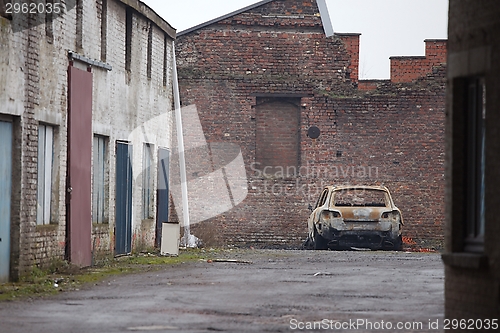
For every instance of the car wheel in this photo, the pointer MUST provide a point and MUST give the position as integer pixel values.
(398, 244)
(319, 242)
(308, 243)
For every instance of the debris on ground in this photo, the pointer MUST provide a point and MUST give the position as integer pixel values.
(234, 261)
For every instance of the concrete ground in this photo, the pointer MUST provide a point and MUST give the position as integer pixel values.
(253, 291)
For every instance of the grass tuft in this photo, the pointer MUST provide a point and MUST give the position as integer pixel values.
(62, 276)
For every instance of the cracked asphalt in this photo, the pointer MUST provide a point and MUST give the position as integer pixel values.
(252, 291)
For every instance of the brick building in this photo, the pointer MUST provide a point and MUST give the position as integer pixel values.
(262, 76)
(84, 101)
(472, 253)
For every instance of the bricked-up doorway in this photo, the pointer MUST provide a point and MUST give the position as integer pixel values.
(79, 171)
(277, 140)
(5, 197)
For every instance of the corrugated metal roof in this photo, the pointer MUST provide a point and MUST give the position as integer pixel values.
(223, 17)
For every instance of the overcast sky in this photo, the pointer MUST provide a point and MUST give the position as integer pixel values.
(387, 27)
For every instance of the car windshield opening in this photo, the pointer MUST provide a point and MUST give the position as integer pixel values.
(360, 197)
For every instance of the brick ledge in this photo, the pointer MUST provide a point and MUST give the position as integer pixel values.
(465, 260)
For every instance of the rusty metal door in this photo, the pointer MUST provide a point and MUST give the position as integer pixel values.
(123, 224)
(162, 192)
(79, 189)
(5, 197)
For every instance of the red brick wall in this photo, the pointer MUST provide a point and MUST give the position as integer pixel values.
(351, 42)
(392, 134)
(407, 69)
(369, 84)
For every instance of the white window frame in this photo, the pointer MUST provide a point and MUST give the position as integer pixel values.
(100, 178)
(45, 168)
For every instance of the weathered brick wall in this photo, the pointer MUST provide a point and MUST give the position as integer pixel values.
(390, 135)
(34, 90)
(132, 105)
(33, 93)
(407, 69)
(351, 42)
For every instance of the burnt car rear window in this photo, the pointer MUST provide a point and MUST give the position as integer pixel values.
(360, 198)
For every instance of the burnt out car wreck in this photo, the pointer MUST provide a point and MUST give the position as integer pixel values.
(347, 217)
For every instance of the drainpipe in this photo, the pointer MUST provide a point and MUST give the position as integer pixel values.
(326, 20)
(187, 239)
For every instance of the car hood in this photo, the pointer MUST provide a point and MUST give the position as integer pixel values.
(362, 213)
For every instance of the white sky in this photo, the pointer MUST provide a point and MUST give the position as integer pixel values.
(387, 27)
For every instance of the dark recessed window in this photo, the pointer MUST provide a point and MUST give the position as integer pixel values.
(165, 60)
(79, 24)
(150, 51)
(128, 39)
(104, 29)
(475, 169)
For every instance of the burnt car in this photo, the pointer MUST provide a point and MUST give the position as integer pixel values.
(347, 217)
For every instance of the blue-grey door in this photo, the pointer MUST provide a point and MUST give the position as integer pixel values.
(123, 231)
(5, 197)
(162, 194)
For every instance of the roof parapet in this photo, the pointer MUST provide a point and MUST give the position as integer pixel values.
(151, 15)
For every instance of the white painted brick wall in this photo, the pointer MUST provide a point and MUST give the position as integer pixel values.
(121, 102)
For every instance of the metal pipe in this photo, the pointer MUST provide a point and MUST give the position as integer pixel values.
(182, 160)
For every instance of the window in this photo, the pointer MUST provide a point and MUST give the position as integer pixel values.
(100, 180)
(45, 161)
(79, 24)
(165, 60)
(104, 29)
(49, 30)
(150, 51)
(322, 198)
(128, 39)
(147, 181)
(475, 157)
(360, 197)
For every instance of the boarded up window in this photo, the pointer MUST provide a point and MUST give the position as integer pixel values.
(147, 181)
(277, 136)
